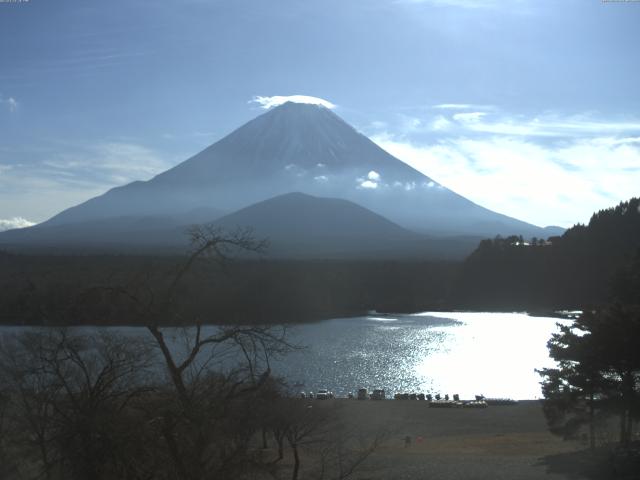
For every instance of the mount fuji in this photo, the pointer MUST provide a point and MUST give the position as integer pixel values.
(294, 147)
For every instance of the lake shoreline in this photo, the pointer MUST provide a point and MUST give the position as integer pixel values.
(560, 314)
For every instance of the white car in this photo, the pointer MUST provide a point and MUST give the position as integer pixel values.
(323, 395)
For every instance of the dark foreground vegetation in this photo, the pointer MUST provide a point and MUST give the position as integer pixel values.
(104, 406)
(596, 383)
(598, 373)
(175, 404)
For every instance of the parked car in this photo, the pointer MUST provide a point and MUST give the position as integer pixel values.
(378, 394)
(324, 394)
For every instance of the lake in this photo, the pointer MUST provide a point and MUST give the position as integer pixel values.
(468, 353)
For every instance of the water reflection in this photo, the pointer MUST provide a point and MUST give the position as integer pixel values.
(467, 353)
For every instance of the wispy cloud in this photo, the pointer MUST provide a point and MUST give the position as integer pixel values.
(109, 163)
(10, 103)
(69, 173)
(467, 4)
(544, 183)
(79, 62)
(468, 117)
(15, 222)
(461, 106)
(456, 3)
(490, 120)
(274, 101)
(551, 126)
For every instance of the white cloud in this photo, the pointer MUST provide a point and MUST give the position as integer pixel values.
(373, 175)
(454, 106)
(468, 117)
(270, 102)
(440, 123)
(321, 178)
(368, 184)
(15, 222)
(560, 183)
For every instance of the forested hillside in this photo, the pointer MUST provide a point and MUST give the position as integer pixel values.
(574, 270)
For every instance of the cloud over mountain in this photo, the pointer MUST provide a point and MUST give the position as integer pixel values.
(270, 102)
(15, 222)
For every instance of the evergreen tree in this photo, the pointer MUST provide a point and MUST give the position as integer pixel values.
(598, 372)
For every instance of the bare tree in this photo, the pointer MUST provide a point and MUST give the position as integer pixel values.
(345, 450)
(214, 372)
(318, 432)
(68, 393)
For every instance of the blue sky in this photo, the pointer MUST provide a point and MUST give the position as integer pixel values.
(531, 108)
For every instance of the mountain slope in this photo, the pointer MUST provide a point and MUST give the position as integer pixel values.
(300, 225)
(296, 225)
(123, 233)
(304, 148)
(295, 215)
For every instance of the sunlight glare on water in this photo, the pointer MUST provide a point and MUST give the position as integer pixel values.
(468, 353)
(495, 354)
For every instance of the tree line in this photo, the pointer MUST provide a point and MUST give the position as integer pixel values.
(54, 290)
(568, 272)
